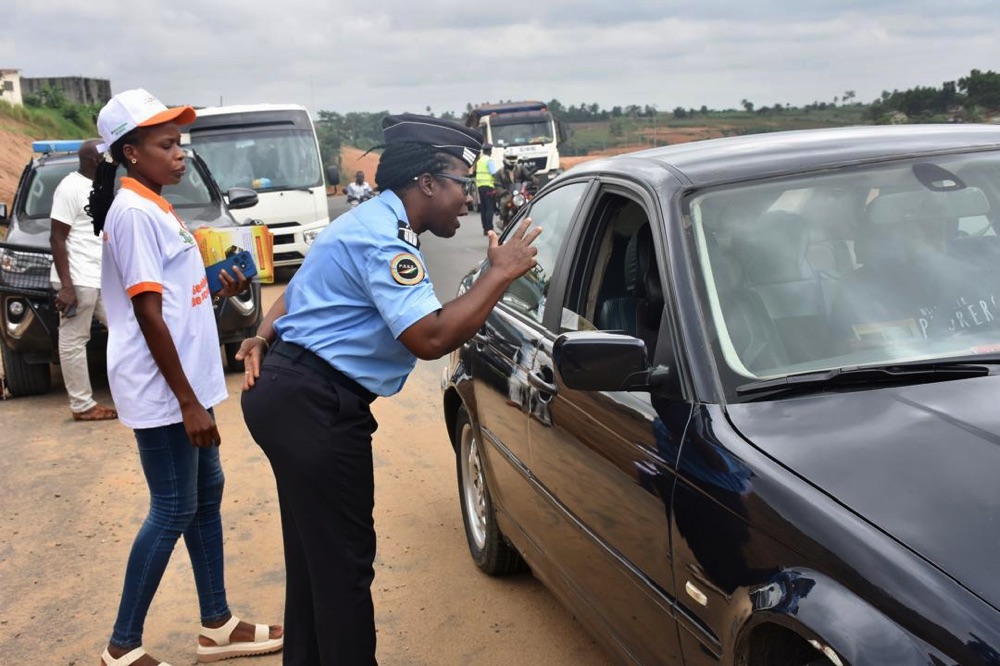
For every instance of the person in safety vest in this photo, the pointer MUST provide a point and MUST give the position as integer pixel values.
(486, 168)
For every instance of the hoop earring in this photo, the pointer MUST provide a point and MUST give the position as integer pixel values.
(133, 160)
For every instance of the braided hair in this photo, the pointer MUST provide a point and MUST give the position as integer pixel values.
(402, 163)
(103, 192)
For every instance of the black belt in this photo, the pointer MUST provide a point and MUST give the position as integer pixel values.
(303, 356)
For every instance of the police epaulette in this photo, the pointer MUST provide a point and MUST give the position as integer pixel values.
(408, 235)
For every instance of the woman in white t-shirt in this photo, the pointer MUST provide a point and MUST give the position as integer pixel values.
(165, 374)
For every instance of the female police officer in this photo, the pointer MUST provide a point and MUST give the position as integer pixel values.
(349, 328)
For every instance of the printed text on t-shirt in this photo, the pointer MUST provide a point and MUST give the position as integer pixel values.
(199, 293)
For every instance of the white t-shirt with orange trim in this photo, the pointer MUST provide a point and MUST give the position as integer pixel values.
(148, 248)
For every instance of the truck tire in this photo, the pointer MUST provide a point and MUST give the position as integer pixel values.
(24, 378)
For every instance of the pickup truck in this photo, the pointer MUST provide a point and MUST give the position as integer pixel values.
(29, 322)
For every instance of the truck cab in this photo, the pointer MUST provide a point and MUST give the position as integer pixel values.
(526, 129)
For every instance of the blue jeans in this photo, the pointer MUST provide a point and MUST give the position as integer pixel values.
(185, 491)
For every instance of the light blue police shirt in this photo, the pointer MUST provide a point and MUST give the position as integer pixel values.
(362, 284)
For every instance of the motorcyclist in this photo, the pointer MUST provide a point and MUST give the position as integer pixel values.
(359, 190)
(512, 172)
(508, 179)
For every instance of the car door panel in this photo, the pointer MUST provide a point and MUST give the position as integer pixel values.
(606, 501)
(505, 348)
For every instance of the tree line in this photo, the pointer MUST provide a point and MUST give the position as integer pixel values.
(971, 98)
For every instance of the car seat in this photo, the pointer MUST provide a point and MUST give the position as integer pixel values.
(751, 332)
(774, 254)
(638, 312)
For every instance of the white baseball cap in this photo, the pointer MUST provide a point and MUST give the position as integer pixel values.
(136, 108)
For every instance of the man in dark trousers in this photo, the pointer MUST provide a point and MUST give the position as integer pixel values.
(486, 169)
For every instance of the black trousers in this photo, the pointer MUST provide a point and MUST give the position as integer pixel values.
(487, 204)
(317, 436)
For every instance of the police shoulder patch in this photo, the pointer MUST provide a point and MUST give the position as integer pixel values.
(406, 269)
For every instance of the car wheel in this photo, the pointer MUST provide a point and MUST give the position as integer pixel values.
(487, 544)
(231, 348)
(25, 378)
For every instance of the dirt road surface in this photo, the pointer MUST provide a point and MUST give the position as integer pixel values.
(73, 497)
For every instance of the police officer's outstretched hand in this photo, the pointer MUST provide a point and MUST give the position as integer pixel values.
(517, 255)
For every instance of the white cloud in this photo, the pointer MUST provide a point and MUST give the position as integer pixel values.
(399, 55)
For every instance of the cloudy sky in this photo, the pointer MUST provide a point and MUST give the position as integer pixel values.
(406, 55)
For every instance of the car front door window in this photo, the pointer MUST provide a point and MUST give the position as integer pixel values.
(553, 212)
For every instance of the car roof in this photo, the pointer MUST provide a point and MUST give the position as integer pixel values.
(56, 158)
(247, 108)
(733, 159)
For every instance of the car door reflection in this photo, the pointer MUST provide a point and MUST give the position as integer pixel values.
(605, 504)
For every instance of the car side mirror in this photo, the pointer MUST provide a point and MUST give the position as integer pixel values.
(241, 197)
(599, 361)
(333, 175)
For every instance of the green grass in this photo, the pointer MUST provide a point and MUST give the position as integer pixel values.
(73, 121)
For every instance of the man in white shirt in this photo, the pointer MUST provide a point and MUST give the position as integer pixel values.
(359, 190)
(76, 276)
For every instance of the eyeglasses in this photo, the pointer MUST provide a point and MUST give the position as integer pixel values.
(461, 180)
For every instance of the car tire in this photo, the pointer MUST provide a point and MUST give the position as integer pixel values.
(487, 544)
(230, 349)
(25, 378)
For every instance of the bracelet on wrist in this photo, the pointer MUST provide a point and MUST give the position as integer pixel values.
(267, 345)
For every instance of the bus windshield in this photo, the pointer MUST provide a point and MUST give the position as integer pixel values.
(274, 159)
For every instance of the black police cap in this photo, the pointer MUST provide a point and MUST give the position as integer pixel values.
(447, 136)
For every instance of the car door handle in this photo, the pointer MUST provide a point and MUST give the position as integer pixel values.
(537, 381)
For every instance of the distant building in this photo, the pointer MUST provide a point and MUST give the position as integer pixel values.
(77, 89)
(10, 86)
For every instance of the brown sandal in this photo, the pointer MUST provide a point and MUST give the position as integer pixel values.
(96, 413)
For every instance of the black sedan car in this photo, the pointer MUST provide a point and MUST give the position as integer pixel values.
(29, 322)
(746, 409)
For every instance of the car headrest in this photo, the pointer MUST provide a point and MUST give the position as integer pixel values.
(902, 207)
(631, 264)
(968, 202)
(774, 248)
(638, 259)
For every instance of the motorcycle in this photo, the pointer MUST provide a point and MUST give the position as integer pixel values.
(355, 201)
(519, 193)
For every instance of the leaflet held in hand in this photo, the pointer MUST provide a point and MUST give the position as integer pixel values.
(218, 244)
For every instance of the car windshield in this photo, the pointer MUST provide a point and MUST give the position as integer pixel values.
(264, 160)
(520, 134)
(883, 264)
(192, 192)
(42, 184)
